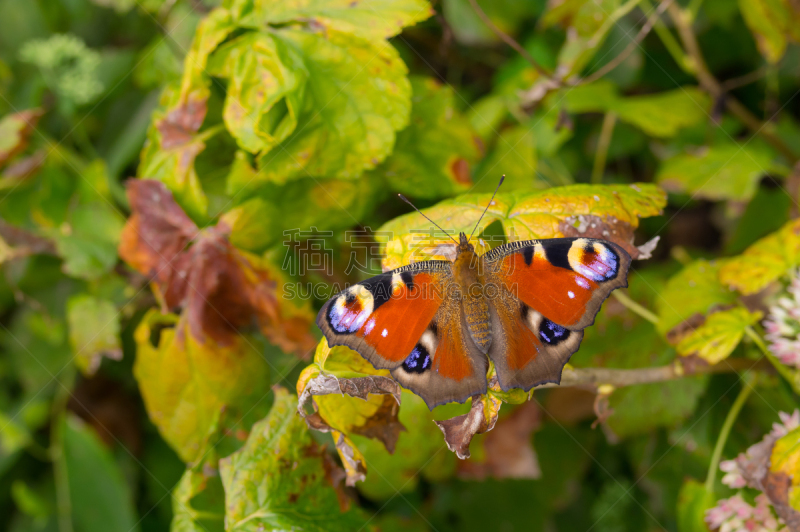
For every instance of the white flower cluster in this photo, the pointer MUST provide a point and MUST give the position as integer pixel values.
(783, 325)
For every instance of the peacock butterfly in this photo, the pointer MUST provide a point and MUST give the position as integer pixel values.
(523, 305)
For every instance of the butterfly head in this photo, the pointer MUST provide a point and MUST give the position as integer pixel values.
(463, 245)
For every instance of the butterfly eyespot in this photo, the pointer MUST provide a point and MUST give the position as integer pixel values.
(593, 260)
(350, 310)
(418, 361)
(552, 333)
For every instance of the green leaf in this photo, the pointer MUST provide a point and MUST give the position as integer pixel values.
(93, 331)
(693, 501)
(211, 31)
(773, 23)
(373, 20)
(696, 289)
(332, 204)
(198, 501)
(514, 156)
(279, 479)
(186, 384)
(720, 172)
(523, 215)
(266, 81)
(770, 258)
(719, 335)
(659, 115)
(470, 29)
(433, 156)
(588, 23)
(88, 242)
(357, 97)
(98, 494)
(420, 451)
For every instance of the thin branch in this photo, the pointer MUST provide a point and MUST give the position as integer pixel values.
(606, 131)
(682, 20)
(508, 39)
(746, 79)
(790, 376)
(614, 63)
(591, 378)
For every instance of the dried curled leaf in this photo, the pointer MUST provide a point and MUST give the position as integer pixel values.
(716, 339)
(220, 288)
(765, 261)
(15, 129)
(507, 450)
(459, 431)
(350, 397)
(524, 215)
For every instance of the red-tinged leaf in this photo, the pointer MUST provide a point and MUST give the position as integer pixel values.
(181, 123)
(221, 289)
(15, 129)
(173, 145)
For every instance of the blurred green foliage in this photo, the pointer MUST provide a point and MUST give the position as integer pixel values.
(131, 402)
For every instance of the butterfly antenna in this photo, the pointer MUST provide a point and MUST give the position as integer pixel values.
(487, 205)
(431, 221)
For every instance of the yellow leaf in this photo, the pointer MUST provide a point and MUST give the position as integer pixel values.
(186, 384)
(765, 261)
(523, 216)
(719, 335)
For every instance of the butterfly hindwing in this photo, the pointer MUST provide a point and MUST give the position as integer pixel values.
(550, 290)
(410, 321)
(445, 366)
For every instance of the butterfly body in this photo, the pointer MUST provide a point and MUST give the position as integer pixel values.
(436, 324)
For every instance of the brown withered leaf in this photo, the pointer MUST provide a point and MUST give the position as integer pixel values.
(355, 467)
(381, 425)
(692, 323)
(507, 449)
(607, 228)
(15, 130)
(220, 289)
(23, 168)
(181, 123)
(459, 431)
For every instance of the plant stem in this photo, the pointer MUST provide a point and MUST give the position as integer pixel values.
(733, 413)
(508, 39)
(632, 305)
(606, 132)
(672, 45)
(591, 378)
(785, 372)
(683, 23)
(60, 473)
